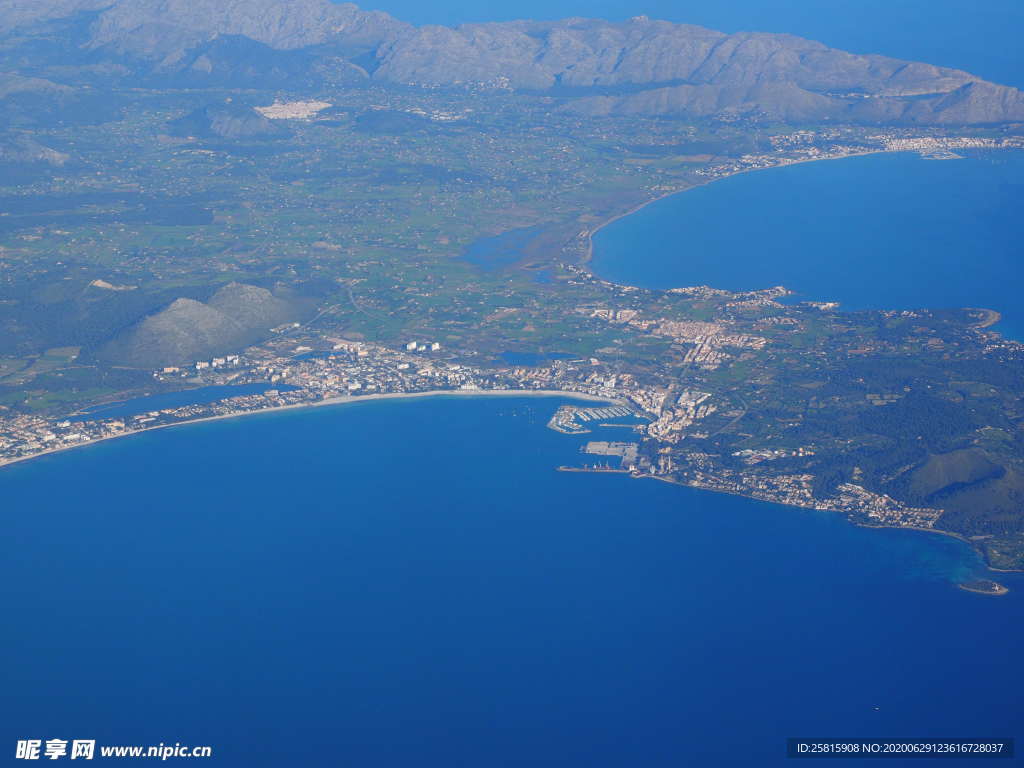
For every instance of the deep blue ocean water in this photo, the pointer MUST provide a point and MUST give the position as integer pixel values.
(878, 231)
(411, 583)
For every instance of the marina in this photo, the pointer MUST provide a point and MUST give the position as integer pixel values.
(614, 412)
(569, 419)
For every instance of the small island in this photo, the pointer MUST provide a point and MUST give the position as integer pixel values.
(984, 587)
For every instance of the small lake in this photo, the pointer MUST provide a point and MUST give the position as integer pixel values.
(499, 251)
(887, 231)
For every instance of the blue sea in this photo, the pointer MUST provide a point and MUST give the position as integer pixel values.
(889, 231)
(412, 583)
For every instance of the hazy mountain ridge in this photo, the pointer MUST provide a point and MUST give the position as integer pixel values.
(586, 52)
(15, 15)
(11, 85)
(672, 69)
(165, 29)
(971, 103)
(783, 76)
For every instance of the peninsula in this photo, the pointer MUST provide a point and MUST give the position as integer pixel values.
(310, 196)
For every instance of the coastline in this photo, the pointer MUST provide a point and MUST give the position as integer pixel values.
(984, 587)
(546, 393)
(952, 534)
(1001, 589)
(991, 317)
(333, 401)
(589, 251)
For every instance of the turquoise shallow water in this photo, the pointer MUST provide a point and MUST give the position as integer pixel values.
(881, 231)
(405, 583)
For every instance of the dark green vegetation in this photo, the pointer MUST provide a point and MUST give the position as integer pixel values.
(152, 217)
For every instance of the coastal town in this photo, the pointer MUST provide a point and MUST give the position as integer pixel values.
(352, 371)
(384, 391)
(402, 289)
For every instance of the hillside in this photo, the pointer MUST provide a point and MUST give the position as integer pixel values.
(636, 67)
(188, 330)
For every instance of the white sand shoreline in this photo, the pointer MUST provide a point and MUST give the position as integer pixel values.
(328, 402)
(589, 251)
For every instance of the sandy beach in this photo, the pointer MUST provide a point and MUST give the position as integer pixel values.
(334, 401)
(589, 254)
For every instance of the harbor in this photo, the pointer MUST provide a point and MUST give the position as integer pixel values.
(570, 419)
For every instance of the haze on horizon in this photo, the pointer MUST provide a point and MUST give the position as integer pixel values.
(436, 265)
(984, 38)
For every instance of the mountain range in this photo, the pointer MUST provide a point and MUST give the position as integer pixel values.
(595, 67)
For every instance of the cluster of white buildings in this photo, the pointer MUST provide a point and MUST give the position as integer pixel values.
(198, 365)
(422, 346)
(882, 509)
(752, 456)
(671, 424)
